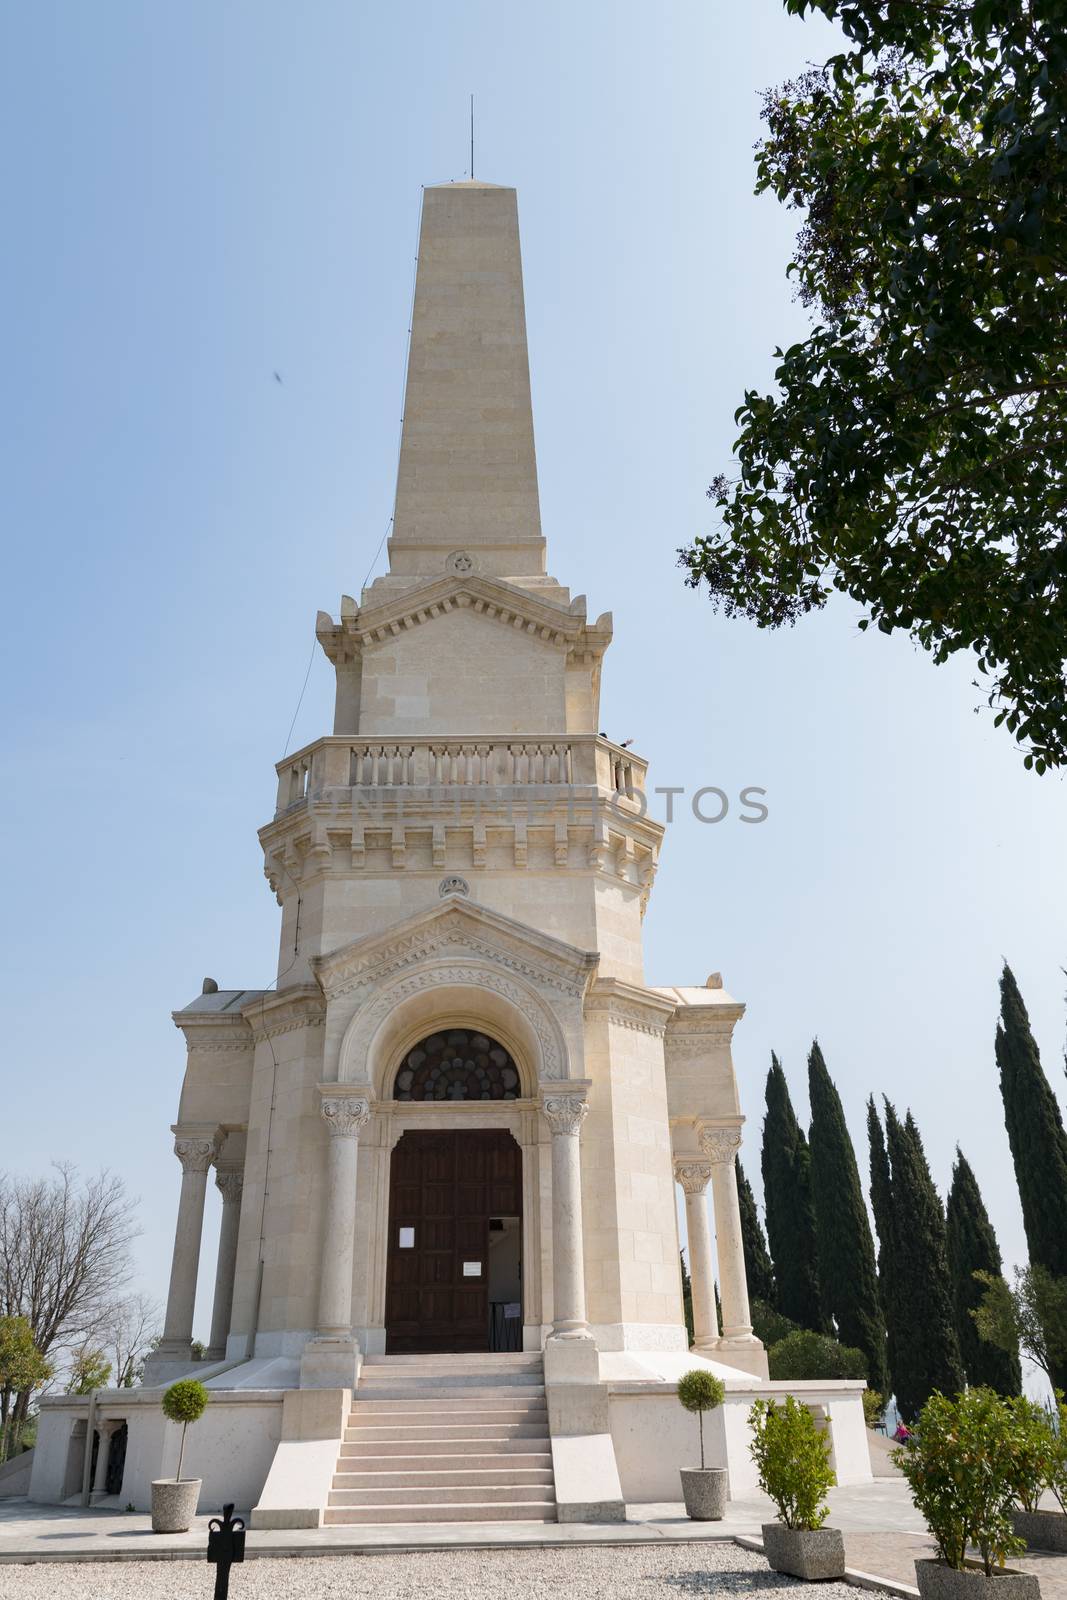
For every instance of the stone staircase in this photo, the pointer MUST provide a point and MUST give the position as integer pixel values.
(446, 1438)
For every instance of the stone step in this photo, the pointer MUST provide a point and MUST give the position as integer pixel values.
(455, 1383)
(351, 1516)
(436, 1494)
(362, 1447)
(448, 1405)
(412, 1430)
(423, 1477)
(474, 1358)
(517, 1461)
(379, 1414)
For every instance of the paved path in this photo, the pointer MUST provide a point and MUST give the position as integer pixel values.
(893, 1555)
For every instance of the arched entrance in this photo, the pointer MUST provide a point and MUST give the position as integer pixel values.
(454, 1258)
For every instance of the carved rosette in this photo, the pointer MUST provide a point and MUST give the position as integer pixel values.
(230, 1185)
(694, 1176)
(344, 1116)
(195, 1155)
(565, 1113)
(720, 1144)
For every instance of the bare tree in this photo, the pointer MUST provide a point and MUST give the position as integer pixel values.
(131, 1329)
(64, 1260)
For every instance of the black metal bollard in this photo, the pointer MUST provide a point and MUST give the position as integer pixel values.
(225, 1544)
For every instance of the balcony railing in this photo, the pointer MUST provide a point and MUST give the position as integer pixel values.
(350, 763)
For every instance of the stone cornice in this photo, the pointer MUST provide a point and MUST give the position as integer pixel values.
(212, 1034)
(630, 1006)
(457, 930)
(488, 597)
(272, 1014)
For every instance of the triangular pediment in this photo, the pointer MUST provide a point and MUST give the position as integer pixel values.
(506, 603)
(454, 929)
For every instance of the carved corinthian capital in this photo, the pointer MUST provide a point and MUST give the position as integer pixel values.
(694, 1176)
(720, 1144)
(230, 1186)
(195, 1155)
(344, 1116)
(565, 1113)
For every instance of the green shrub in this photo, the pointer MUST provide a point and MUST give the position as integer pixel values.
(184, 1402)
(792, 1455)
(804, 1354)
(873, 1407)
(1033, 1451)
(959, 1464)
(770, 1325)
(1057, 1478)
(700, 1391)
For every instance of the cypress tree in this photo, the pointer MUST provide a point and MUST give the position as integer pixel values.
(882, 1206)
(1035, 1133)
(926, 1350)
(972, 1247)
(848, 1276)
(787, 1198)
(758, 1268)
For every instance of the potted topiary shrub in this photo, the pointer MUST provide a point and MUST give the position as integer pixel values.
(792, 1455)
(959, 1463)
(174, 1500)
(1039, 1462)
(703, 1489)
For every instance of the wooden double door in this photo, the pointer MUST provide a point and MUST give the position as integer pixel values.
(445, 1189)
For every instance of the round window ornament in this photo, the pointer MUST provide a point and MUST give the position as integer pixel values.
(459, 561)
(453, 885)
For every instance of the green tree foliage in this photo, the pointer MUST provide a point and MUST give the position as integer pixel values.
(1030, 1316)
(805, 1354)
(792, 1456)
(758, 1267)
(769, 1325)
(958, 1464)
(882, 1206)
(184, 1402)
(1036, 1136)
(23, 1369)
(925, 1349)
(971, 1248)
(787, 1199)
(848, 1276)
(700, 1391)
(687, 1297)
(913, 455)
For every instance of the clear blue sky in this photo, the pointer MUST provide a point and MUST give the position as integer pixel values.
(197, 195)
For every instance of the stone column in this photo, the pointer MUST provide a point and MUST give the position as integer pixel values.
(229, 1184)
(565, 1110)
(721, 1145)
(694, 1177)
(196, 1156)
(105, 1429)
(344, 1117)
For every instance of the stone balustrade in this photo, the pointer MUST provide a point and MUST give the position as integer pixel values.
(428, 763)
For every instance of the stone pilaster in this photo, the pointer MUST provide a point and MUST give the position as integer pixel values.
(196, 1155)
(333, 1358)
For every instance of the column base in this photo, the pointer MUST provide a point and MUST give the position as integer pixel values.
(746, 1353)
(166, 1363)
(331, 1362)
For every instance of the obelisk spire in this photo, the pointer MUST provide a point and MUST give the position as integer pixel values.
(467, 481)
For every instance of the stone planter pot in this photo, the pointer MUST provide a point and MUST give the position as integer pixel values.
(704, 1492)
(804, 1552)
(174, 1503)
(940, 1582)
(1042, 1530)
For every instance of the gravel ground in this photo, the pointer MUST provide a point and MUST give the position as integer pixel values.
(614, 1573)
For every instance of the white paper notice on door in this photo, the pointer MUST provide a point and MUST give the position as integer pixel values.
(512, 1309)
(472, 1269)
